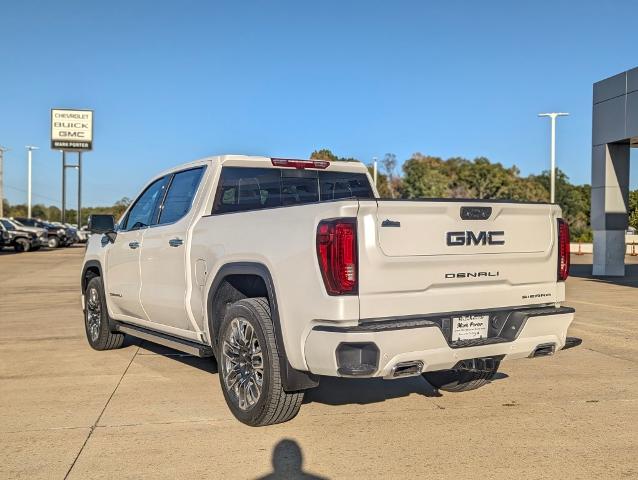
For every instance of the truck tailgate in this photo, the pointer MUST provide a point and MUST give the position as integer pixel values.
(421, 228)
(421, 257)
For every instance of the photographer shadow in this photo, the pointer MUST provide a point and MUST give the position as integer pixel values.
(287, 463)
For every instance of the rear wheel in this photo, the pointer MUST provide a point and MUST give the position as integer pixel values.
(96, 320)
(22, 245)
(466, 375)
(249, 366)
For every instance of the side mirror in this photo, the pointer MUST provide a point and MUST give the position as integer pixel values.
(101, 223)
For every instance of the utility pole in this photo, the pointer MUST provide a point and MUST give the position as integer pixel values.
(30, 149)
(552, 173)
(2, 150)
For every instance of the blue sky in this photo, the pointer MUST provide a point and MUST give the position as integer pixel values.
(174, 81)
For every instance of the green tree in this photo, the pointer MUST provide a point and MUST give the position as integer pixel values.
(324, 154)
(389, 164)
(574, 201)
(633, 209)
(425, 177)
(487, 180)
(382, 180)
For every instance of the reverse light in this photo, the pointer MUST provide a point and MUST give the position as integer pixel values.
(337, 255)
(300, 164)
(563, 250)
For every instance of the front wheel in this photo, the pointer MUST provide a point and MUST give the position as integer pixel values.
(53, 242)
(466, 375)
(22, 245)
(96, 320)
(249, 370)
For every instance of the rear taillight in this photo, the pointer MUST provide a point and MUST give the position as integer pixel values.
(337, 254)
(563, 250)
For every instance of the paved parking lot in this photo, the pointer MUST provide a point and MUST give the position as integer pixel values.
(149, 412)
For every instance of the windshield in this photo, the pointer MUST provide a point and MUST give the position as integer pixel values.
(7, 224)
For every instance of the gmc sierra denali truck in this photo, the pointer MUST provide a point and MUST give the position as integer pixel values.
(287, 270)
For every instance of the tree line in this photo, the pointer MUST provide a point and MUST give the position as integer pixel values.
(53, 213)
(425, 176)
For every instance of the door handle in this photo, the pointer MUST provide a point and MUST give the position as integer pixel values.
(134, 245)
(175, 242)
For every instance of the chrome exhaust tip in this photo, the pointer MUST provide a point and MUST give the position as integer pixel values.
(407, 369)
(544, 350)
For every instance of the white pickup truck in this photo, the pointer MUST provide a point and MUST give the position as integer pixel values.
(286, 270)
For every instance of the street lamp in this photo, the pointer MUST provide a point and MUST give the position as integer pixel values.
(552, 181)
(374, 170)
(30, 149)
(2, 150)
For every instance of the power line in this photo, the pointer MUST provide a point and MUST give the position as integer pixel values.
(35, 194)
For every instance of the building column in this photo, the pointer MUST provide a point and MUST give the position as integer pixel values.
(609, 206)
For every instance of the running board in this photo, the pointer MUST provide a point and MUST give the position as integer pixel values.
(183, 345)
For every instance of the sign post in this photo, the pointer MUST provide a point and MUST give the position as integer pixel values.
(72, 131)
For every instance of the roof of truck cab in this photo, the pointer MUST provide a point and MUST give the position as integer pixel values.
(259, 162)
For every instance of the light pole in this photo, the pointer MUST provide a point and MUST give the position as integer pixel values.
(30, 149)
(2, 150)
(552, 172)
(374, 170)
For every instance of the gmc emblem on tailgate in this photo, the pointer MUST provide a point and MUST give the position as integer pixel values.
(457, 239)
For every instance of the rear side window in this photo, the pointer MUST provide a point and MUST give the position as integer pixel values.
(143, 211)
(299, 189)
(241, 189)
(180, 195)
(336, 185)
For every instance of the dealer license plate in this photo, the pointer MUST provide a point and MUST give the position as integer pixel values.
(470, 327)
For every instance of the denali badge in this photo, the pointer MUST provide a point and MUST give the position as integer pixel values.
(472, 274)
(455, 239)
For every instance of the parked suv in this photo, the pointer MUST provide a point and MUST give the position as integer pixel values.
(20, 240)
(286, 270)
(41, 233)
(57, 234)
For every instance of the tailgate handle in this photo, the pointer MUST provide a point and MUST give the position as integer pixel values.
(476, 213)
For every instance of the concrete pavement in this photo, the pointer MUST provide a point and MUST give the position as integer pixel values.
(144, 411)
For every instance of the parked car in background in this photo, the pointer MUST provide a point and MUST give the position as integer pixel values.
(20, 240)
(71, 232)
(84, 234)
(42, 233)
(58, 236)
(81, 236)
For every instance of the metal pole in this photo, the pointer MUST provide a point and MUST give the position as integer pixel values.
(29, 162)
(2, 150)
(79, 190)
(552, 195)
(29, 184)
(552, 173)
(63, 186)
(374, 159)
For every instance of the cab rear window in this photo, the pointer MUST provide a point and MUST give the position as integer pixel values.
(242, 189)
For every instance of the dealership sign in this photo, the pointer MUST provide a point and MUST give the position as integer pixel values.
(71, 129)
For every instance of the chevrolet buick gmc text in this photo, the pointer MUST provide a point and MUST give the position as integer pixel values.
(287, 270)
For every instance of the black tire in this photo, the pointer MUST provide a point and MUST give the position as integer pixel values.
(461, 378)
(99, 336)
(273, 404)
(53, 242)
(22, 245)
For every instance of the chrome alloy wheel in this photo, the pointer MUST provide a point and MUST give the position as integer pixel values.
(93, 314)
(243, 363)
